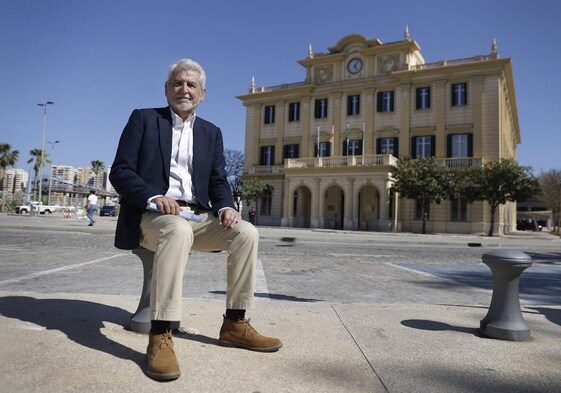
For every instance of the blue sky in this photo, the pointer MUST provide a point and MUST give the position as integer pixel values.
(99, 60)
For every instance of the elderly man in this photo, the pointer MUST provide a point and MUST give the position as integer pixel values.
(172, 161)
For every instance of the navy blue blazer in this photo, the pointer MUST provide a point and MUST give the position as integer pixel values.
(142, 164)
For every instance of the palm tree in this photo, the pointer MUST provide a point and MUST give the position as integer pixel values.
(97, 168)
(7, 158)
(40, 161)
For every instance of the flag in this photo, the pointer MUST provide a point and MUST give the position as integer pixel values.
(332, 134)
(347, 132)
(362, 143)
(317, 142)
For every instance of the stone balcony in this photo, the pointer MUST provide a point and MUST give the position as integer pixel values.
(340, 161)
(353, 161)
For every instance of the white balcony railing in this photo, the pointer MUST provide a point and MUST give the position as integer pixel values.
(353, 161)
(264, 169)
(340, 161)
(464, 162)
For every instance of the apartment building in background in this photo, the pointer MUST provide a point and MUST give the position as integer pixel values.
(324, 146)
(14, 181)
(63, 177)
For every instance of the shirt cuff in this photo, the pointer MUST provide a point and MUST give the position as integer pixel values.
(151, 199)
(224, 208)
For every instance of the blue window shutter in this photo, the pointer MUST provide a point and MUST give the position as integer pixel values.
(432, 145)
(396, 147)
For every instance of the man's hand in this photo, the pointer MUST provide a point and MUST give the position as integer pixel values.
(228, 217)
(167, 205)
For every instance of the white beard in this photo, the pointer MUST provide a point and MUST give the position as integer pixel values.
(185, 106)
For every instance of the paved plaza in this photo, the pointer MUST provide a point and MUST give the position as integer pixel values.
(357, 312)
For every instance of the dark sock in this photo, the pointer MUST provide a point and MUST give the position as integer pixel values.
(235, 315)
(159, 327)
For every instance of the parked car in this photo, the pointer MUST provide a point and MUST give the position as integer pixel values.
(527, 224)
(36, 207)
(108, 210)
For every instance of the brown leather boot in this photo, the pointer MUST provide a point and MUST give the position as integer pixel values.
(241, 334)
(162, 363)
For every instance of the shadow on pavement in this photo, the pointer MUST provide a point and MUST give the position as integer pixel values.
(550, 258)
(551, 314)
(276, 296)
(80, 320)
(435, 326)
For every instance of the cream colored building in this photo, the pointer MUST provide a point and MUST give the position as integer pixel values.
(63, 173)
(85, 176)
(14, 180)
(325, 146)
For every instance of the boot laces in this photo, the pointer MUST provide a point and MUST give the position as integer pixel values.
(166, 341)
(249, 331)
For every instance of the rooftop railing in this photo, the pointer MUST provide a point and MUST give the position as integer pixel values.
(445, 63)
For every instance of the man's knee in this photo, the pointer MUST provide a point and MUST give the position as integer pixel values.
(248, 232)
(179, 228)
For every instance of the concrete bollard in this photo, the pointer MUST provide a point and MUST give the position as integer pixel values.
(504, 319)
(140, 321)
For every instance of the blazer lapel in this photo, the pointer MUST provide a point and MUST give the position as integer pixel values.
(165, 137)
(199, 144)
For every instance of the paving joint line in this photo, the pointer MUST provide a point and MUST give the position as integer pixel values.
(360, 349)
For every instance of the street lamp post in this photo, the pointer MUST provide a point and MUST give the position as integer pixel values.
(44, 105)
(51, 172)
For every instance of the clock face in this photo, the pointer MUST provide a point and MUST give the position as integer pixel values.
(354, 65)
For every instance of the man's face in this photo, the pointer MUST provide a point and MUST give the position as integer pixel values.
(184, 92)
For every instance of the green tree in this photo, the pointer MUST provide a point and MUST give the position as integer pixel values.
(8, 157)
(253, 190)
(550, 185)
(40, 162)
(424, 180)
(498, 182)
(97, 168)
(234, 172)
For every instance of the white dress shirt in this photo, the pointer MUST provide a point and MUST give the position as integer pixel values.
(181, 168)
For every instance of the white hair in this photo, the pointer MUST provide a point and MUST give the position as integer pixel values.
(187, 65)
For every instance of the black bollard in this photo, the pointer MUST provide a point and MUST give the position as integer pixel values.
(504, 319)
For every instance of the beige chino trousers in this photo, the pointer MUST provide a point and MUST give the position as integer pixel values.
(173, 237)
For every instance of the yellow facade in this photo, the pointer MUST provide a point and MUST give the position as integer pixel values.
(325, 146)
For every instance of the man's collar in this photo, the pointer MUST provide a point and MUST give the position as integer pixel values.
(178, 121)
